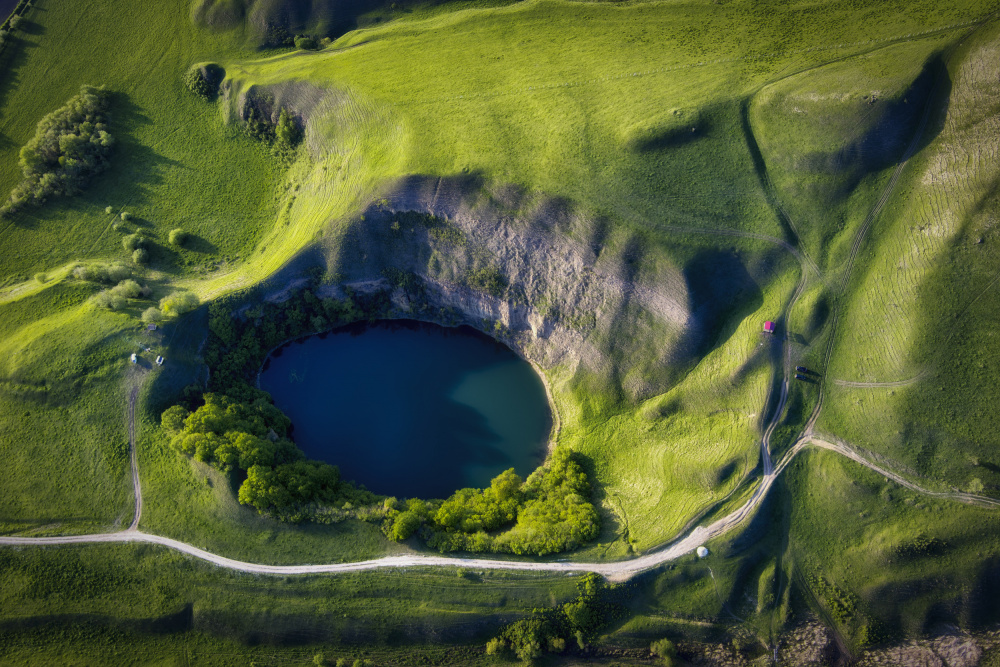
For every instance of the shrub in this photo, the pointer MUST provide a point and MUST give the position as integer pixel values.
(177, 237)
(133, 242)
(129, 289)
(204, 80)
(108, 274)
(487, 279)
(152, 315)
(14, 22)
(70, 145)
(496, 646)
(140, 256)
(108, 210)
(178, 303)
(306, 43)
(665, 650)
(126, 216)
(110, 300)
(41, 277)
(287, 131)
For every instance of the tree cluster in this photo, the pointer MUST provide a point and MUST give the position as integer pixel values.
(108, 274)
(178, 303)
(204, 80)
(118, 296)
(252, 435)
(236, 426)
(548, 513)
(571, 624)
(70, 145)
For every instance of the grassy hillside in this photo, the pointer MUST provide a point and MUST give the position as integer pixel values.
(918, 314)
(696, 183)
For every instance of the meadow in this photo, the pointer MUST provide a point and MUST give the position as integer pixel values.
(748, 167)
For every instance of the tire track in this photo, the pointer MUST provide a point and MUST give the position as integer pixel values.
(136, 486)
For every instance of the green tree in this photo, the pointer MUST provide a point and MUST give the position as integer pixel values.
(178, 303)
(133, 242)
(665, 650)
(306, 43)
(70, 145)
(152, 315)
(172, 419)
(287, 130)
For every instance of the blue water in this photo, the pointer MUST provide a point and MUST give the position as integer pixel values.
(411, 409)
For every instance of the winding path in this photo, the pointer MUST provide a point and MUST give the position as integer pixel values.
(614, 571)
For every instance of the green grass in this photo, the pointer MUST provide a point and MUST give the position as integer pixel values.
(922, 305)
(851, 528)
(644, 116)
(169, 604)
(175, 164)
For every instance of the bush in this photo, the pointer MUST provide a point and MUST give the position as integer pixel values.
(204, 80)
(177, 237)
(108, 274)
(129, 289)
(306, 43)
(178, 303)
(126, 216)
(152, 315)
(108, 299)
(287, 131)
(665, 650)
(41, 277)
(108, 210)
(496, 646)
(133, 242)
(70, 145)
(140, 256)
(487, 279)
(14, 22)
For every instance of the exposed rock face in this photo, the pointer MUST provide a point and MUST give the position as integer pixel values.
(600, 302)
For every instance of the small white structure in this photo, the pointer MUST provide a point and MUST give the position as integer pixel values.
(159, 361)
(151, 327)
(701, 551)
(132, 358)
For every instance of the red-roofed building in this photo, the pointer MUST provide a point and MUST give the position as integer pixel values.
(769, 327)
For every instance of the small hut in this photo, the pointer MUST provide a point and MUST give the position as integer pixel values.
(769, 327)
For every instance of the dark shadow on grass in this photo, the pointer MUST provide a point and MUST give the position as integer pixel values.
(200, 245)
(722, 291)
(29, 27)
(167, 624)
(13, 57)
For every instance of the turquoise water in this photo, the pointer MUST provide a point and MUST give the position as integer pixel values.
(411, 409)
